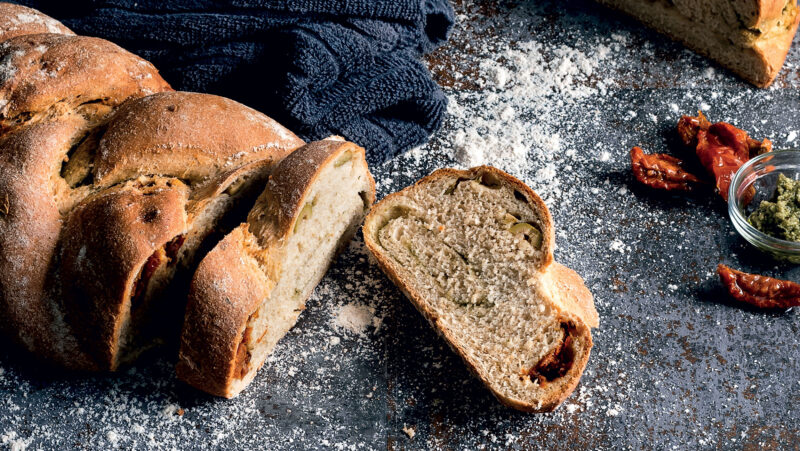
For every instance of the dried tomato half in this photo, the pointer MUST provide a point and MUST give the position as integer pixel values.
(720, 147)
(759, 291)
(661, 171)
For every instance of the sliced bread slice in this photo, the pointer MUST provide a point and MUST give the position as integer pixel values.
(251, 288)
(473, 251)
(749, 37)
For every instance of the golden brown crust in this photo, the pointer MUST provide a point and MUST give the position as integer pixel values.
(30, 223)
(766, 11)
(774, 48)
(187, 135)
(559, 389)
(58, 93)
(46, 74)
(226, 289)
(568, 288)
(17, 20)
(107, 239)
(239, 273)
(761, 40)
(272, 218)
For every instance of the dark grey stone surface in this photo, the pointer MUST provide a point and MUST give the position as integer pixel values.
(675, 364)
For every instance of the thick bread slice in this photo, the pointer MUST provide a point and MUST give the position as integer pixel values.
(749, 37)
(251, 288)
(221, 171)
(473, 251)
(123, 247)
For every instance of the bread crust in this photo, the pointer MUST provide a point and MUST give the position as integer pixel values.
(30, 225)
(222, 299)
(567, 288)
(763, 40)
(287, 189)
(107, 239)
(225, 290)
(17, 20)
(187, 135)
(559, 389)
(767, 11)
(48, 74)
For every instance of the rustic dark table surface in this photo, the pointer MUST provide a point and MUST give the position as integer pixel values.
(555, 92)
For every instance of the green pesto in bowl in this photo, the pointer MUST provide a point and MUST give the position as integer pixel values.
(780, 218)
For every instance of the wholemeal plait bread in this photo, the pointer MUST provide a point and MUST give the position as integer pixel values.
(749, 37)
(251, 288)
(473, 251)
(111, 186)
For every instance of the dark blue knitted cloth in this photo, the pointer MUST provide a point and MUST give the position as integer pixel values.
(320, 67)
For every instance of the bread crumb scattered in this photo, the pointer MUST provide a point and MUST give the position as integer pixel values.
(409, 430)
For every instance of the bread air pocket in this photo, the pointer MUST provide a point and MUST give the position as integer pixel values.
(251, 288)
(473, 252)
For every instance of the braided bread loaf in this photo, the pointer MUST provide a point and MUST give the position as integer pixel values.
(112, 189)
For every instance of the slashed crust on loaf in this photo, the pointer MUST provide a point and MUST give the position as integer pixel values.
(251, 288)
(749, 37)
(452, 244)
(101, 162)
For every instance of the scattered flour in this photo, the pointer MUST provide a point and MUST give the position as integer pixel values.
(354, 318)
(14, 442)
(533, 108)
(113, 437)
(526, 89)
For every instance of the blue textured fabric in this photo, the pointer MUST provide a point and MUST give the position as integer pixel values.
(321, 67)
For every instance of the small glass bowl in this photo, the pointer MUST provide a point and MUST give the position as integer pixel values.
(758, 179)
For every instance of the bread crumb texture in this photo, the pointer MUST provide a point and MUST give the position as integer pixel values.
(452, 241)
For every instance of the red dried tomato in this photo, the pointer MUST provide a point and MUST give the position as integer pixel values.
(721, 147)
(661, 171)
(558, 361)
(759, 291)
(688, 126)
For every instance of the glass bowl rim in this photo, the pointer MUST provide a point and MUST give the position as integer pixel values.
(741, 222)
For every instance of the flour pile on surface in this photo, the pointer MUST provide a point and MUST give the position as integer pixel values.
(355, 318)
